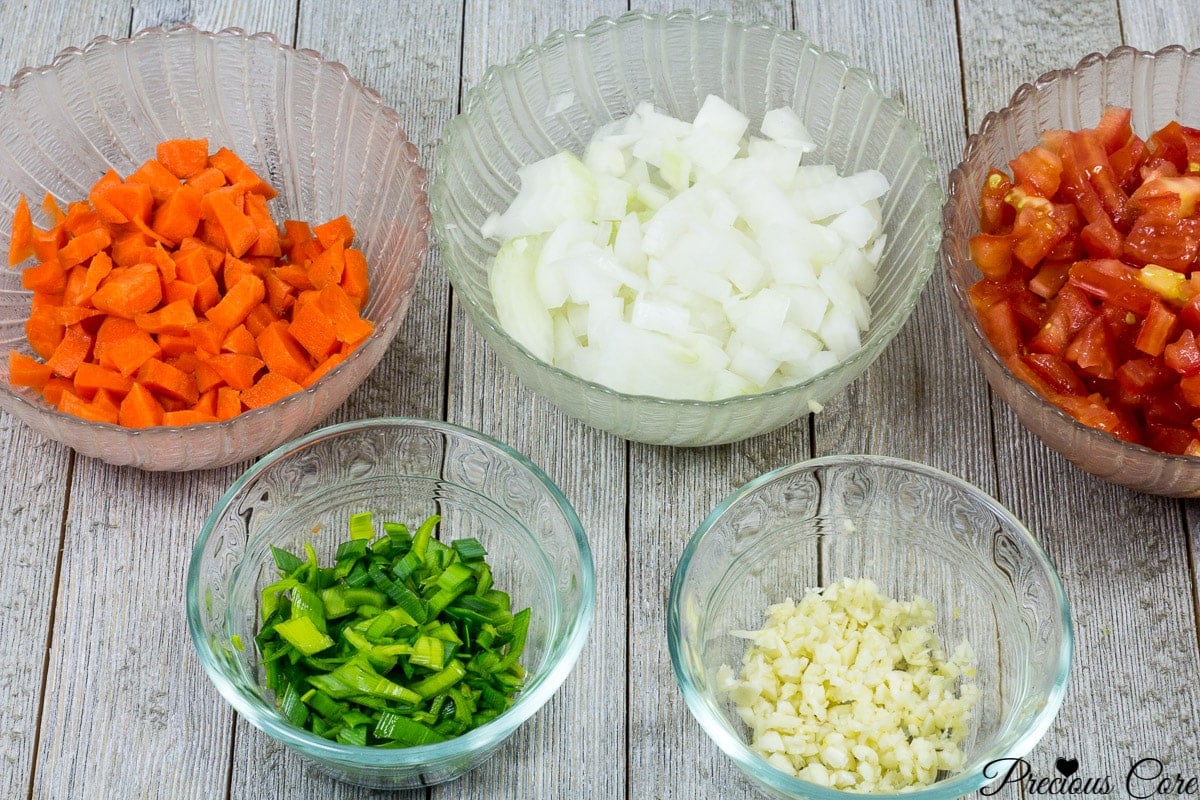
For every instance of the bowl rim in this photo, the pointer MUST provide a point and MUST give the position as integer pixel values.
(957, 183)
(753, 764)
(881, 331)
(35, 406)
(262, 715)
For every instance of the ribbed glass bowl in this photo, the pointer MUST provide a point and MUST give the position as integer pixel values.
(325, 142)
(1159, 87)
(555, 96)
(402, 470)
(913, 530)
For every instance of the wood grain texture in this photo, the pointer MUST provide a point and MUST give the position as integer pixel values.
(1122, 556)
(671, 491)
(575, 746)
(129, 711)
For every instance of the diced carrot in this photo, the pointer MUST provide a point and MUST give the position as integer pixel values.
(164, 379)
(270, 387)
(126, 202)
(160, 180)
(218, 207)
(229, 402)
(354, 277)
(350, 327)
(240, 340)
(183, 158)
(179, 290)
(267, 243)
(70, 403)
(176, 317)
(323, 368)
(54, 388)
(84, 246)
(314, 331)
(237, 370)
(139, 408)
(97, 270)
(166, 298)
(235, 269)
(128, 291)
(327, 267)
(123, 346)
(208, 336)
(258, 320)
(238, 173)
(283, 353)
(238, 301)
(178, 216)
(20, 246)
(90, 377)
(100, 204)
(207, 402)
(187, 416)
(72, 351)
(207, 179)
(45, 277)
(24, 370)
(127, 248)
(174, 344)
(295, 276)
(43, 331)
(280, 295)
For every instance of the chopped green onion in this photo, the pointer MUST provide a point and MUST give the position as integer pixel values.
(402, 641)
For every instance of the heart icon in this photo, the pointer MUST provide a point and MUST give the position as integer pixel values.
(1067, 766)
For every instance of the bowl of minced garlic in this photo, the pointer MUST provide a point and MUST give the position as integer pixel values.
(938, 642)
(853, 690)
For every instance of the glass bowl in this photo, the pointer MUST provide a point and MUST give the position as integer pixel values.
(555, 96)
(402, 470)
(915, 531)
(1158, 87)
(325, 142)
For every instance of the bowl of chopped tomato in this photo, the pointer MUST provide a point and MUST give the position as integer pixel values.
(201, 265)
(1072, 252)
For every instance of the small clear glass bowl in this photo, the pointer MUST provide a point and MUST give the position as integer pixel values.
(402, 470)
(325, 142)
(555, 96)
(1158, 87)
(915, 531)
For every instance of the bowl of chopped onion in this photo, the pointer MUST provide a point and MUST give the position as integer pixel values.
(869, 625)
(675, 240)
(390, 599)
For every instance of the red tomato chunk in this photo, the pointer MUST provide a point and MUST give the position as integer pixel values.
(1090, 254)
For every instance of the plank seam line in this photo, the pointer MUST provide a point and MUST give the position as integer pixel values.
(1189, 544)
(54, 588)
(628, 783)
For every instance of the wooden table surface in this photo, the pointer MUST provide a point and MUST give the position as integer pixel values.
(101, 695)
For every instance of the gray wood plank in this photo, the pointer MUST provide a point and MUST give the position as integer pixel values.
(407, 53)
(1123, 556)
(128, 710)
(575, 746)
(671, 491)
(34, 472)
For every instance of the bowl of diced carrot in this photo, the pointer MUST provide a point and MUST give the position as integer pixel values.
(211, 257)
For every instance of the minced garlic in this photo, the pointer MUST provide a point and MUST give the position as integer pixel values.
(851, 689)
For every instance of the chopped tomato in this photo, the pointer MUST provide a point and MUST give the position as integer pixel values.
(1091, 291)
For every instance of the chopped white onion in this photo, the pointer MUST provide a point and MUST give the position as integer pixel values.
(685, 260)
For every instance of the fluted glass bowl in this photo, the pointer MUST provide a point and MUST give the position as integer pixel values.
(555, 96)
(1159, 87)
(326, 143)
(402, 470)
(915, 531)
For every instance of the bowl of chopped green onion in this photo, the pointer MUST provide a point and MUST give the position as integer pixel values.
(390, 598)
